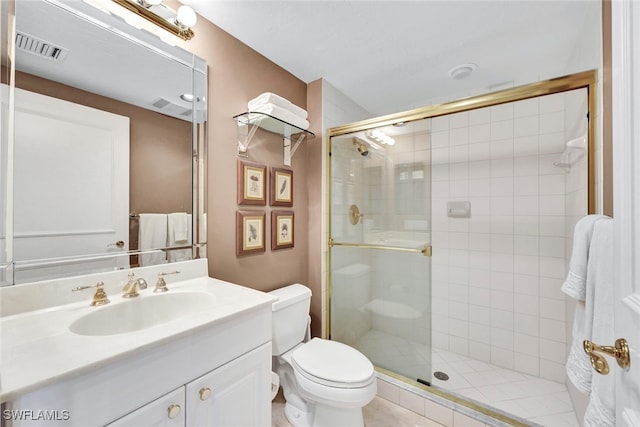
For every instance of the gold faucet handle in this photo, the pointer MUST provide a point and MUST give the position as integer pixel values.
(100, 297)
(130, 290)
(161, 284)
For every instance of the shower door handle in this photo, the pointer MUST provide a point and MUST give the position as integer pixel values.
(620, 351)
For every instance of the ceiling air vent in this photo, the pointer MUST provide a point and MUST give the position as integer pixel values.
(161, 103)
(39, 47)
(165, 106)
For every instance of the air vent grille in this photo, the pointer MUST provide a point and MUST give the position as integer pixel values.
(161, 103)
(169, 108)
(41, 48)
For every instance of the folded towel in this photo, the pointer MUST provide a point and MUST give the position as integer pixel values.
(180, 254)
(152, 234)
(272, 98)
(601, 410)
(177, 228)
(282, 114)
(578, 365)
(579, 287)
(575, 284)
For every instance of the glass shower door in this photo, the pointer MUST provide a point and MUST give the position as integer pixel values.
(380, 264)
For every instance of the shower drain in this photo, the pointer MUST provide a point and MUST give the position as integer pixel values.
(441, 376)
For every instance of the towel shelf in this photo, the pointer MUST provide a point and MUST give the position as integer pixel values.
(249, 122)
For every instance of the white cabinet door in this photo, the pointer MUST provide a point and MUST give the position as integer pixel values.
(167, 411)
(235, 395)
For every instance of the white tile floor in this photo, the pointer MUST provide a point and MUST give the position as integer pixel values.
(538, 400)
(378, 413)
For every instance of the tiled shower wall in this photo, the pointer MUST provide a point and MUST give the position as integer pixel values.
(497, 274)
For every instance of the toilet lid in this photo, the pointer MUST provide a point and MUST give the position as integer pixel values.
(332, 362)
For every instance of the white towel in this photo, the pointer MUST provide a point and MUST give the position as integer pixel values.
(152, 234)
(578, 366)
(282, 114)
(181, 220)
(272, 98)
(177, 228)
(601, 410)
(575, 284)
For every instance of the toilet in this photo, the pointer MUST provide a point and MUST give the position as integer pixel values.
(325, 383)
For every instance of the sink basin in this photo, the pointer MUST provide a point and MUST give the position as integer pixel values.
(141, 313)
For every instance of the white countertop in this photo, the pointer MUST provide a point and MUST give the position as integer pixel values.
(37, 348)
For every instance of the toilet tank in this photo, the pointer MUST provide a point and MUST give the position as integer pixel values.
(290, 317)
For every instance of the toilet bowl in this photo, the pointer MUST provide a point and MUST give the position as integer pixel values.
(325, 383)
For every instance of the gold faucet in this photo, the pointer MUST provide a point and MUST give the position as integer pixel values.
(161, 284)
(130, 290)
(100, 297)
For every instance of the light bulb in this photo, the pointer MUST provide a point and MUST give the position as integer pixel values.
(186, 16)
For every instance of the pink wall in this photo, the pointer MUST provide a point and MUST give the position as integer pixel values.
(237, 74)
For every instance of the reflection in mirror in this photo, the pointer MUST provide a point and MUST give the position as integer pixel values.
(105, 119)
(411, 188)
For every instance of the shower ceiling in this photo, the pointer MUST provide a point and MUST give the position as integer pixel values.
(390, 56)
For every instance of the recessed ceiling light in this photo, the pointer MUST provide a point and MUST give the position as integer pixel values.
(462, 71)
(187, 97)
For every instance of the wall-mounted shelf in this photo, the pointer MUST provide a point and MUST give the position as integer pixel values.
(250, 122)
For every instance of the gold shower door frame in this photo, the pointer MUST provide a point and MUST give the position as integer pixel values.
(586, 79)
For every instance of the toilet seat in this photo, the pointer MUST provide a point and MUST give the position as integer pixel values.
(332, 364)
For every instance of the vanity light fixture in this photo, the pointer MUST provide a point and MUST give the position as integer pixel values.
(381, 137)
(177, 22)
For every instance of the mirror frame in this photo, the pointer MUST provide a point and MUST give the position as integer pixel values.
(118, 25)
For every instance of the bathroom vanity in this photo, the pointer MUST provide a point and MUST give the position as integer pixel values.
(198, 354)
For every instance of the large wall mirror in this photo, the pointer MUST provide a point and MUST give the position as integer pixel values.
(107, 157)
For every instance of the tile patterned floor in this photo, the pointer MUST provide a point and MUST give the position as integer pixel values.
(540, 401)
(378, 413)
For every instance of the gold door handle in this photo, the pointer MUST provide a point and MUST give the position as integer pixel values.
(620, 351)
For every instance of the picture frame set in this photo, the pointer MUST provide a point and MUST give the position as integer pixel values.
(252, 191)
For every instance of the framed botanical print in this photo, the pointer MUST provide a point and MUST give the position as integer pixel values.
(250, 232)
(252, 183)
(281, 193)
(281, 229)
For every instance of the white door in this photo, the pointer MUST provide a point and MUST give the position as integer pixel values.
(71, 179)
(626, 158)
